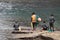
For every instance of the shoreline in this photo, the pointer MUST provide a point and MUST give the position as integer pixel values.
(50, 35)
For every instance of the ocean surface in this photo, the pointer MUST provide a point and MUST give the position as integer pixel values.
(21, 11)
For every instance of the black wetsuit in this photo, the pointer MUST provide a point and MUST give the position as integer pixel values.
(51, 23)
(16, 26)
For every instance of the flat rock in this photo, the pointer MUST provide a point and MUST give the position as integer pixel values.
(27, 35)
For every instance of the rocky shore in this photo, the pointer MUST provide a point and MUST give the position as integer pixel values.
(45, 35)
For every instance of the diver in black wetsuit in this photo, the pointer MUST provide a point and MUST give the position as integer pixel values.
(16, 26)
(51, 22)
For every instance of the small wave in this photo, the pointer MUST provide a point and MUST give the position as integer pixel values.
(5, 6)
